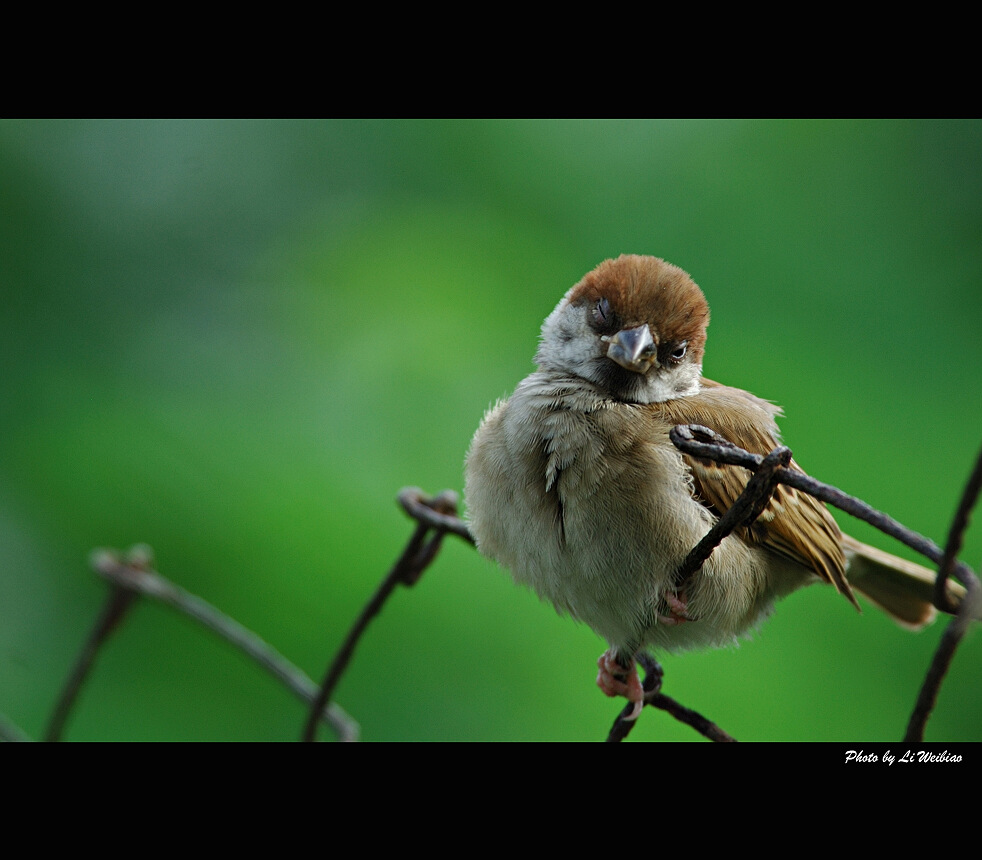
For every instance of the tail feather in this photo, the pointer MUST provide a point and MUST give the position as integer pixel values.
(900, 588)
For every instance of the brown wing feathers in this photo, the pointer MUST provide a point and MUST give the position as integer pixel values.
(793, 524)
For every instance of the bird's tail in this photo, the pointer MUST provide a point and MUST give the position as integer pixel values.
(900, 588)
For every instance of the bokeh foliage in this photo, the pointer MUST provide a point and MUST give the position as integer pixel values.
(236, 341)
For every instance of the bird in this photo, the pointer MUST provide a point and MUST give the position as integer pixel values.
(573, 484)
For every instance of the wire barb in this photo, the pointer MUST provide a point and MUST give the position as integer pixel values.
(749, 504)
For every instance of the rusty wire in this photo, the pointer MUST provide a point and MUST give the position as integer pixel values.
(131, 575)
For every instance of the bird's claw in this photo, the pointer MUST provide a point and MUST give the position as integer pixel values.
(678, 609)
(616, 680)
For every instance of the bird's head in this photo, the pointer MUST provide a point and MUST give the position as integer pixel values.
(634, 326)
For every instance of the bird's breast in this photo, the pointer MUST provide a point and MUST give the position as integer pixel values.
(583, 501)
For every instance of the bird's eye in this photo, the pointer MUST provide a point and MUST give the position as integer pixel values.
(603, 318)
(677, 354)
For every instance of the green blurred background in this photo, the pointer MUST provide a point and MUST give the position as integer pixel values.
(237, 340)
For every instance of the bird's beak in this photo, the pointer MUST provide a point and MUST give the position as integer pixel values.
(632, 348)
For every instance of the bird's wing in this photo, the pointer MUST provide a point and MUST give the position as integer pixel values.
(794, 524)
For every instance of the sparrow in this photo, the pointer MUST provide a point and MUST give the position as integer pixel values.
(573, 484)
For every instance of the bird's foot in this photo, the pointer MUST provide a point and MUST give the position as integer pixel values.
(678, 609)
(617, 680)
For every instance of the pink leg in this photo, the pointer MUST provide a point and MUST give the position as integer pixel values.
(615, 680)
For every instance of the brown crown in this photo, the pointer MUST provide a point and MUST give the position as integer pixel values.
(648, 290)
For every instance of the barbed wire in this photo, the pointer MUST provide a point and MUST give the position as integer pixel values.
(131, 575)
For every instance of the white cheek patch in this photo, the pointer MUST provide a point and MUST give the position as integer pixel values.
(567, 343)
(682, 381)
